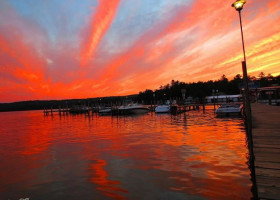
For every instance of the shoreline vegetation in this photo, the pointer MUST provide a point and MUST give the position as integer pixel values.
(197, 90)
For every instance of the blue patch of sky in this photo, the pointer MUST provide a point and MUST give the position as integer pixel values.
(252, 9)
(60, 19)
(136, 17)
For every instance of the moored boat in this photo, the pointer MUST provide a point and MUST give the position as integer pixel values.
(167, 107)
(229, 109)
(105, 111)
(133, 109)
(162, 109)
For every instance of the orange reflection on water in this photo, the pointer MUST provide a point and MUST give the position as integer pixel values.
(36, 143)
(36, 135)
(107, 187)
(194, 154)
(218, 162)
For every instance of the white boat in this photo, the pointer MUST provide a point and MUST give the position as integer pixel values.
(229, 109)
(162, 109)
(105, 111)
(167, 107)
(133, 109)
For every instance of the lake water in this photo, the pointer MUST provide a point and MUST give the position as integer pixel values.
(188, 156)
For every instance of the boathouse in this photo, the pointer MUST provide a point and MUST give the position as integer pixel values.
(224, 98)
(269, 95)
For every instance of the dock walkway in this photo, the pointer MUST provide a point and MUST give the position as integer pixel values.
(266, 138)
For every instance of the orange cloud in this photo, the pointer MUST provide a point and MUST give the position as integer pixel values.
(100, 23)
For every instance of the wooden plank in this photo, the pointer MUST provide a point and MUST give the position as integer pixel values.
(268, 192)
(273, 146)
(266, 141)
(268, 181)
(266, 132)
(268, 172)
(269, 155)
(267, 150)
(267, 165)
(267, 159)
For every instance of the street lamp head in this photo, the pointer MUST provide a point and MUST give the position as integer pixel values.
(238, 5)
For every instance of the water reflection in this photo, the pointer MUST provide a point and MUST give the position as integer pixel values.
(110, 188)
(193, 155)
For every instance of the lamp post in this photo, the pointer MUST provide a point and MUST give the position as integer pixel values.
(238, 5)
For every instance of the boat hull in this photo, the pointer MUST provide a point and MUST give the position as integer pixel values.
(106, 111)
(128, 110)
(162, 109)
(139, 110)
(229, 110)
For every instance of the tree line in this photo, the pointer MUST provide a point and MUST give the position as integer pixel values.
(199, 90)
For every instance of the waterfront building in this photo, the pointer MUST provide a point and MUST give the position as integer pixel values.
(269, 95)
(223, 98)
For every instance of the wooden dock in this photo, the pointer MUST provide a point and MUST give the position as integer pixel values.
(266, 139)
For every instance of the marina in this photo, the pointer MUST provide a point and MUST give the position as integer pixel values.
(192, 155)
(266, 141)
(127, 110)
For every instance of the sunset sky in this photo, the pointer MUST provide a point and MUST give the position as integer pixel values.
(61, 49)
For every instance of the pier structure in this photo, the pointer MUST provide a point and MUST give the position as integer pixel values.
(60, 111)
(174, 110)
(266, 146)
(186, 108)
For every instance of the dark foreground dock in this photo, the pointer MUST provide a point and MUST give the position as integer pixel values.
(266, 138)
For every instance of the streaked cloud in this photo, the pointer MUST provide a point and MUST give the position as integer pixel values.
(99, 24)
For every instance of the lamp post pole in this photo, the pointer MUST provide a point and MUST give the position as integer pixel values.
(240, 20)
(238, 5)
(245, 80)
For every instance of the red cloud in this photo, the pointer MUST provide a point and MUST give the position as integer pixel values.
(100, 23)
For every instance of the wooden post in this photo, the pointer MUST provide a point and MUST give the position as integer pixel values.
(214, 104)
(247, 97)
(248, 119)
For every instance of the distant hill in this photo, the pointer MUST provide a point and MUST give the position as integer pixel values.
(43, 104)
